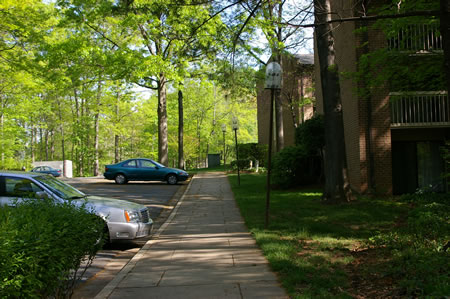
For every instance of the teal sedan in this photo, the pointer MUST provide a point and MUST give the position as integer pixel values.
(143, 170)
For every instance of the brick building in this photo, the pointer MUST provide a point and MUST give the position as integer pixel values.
(297, 97)
(393, 134)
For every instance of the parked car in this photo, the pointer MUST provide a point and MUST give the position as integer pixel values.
(143, 170)
(124, 220)
(47, 169)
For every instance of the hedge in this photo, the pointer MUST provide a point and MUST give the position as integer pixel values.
(43, 244)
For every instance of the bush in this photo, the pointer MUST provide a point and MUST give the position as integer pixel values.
(43, 244)
(253, 151)
(291, 167)
(420, 257)
(243, 164)
(311, 134)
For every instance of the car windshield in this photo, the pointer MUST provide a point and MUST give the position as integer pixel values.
(158, 164)
(60, 188)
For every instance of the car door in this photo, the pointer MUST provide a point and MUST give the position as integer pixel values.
(130, 169)
(150, 170)
(14, 189)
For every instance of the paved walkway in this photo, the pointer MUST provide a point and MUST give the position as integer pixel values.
(204, 250)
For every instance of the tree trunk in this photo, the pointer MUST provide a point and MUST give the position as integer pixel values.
(97, 129)
(181, 164)
(279, 122)
(116, 136)
(46, 145)
(337, 187)
(33, 156)
(445, 32)
(163, 150)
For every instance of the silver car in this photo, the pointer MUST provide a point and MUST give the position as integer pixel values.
(125, 220)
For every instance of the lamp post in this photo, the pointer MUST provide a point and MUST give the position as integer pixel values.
(273, 82)
(224, 130)
(235, 126)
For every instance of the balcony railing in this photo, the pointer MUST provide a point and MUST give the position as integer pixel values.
(417, 38)
(419, 109)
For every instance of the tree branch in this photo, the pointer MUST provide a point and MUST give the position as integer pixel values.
(371, 18)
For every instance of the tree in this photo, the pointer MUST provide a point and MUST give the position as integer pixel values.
(337, 187)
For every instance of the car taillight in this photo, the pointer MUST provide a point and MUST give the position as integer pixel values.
(106, 169)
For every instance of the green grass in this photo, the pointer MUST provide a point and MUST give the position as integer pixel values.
(308, 243)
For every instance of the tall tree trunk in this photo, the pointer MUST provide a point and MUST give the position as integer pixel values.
(180, 131)
(279, 121)
(52, 145)
(33, 154)
(163, 150)
(445, 32)
(46, 145)
(97, 129)
(1, 136)
(116, 136)
(61, 127)
(337, 187)
(278, 100)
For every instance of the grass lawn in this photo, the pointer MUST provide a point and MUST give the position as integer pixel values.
(317, 250)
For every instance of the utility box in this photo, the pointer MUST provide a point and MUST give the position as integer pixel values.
(213, 160)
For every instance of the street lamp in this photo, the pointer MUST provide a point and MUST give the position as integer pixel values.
(224, 130)
(273, 82)
(235, 126)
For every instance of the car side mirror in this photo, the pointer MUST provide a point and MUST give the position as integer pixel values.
(41, 195)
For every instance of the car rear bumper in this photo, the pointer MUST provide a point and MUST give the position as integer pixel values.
(129, 231)
(109, 176)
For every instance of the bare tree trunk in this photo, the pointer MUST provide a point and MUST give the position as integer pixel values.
(181, 164)
(46, 145)
(33, 155)
(116, 136)
(163, 150)
(97, 129)
(279, 122)
(445, 31)
(337, 187)
(1, 135)
(52, 145)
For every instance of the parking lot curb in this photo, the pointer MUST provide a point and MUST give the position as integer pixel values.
(109, 288)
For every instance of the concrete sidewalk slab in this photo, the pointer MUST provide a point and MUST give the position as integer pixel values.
(204, 250)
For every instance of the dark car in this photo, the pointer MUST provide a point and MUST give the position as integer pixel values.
(47, 169)
(143, 170)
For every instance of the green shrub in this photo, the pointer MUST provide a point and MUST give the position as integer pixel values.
(243, 164)
(43, 244)
(253, 151)
(289, 167)
(311, 134)
(420, 259)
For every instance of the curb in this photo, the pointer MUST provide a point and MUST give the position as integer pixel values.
(109, 288)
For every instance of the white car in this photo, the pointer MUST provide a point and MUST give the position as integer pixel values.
(125, 220)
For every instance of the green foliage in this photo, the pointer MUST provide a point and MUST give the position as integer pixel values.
(253, 151)
(311, 134)
(288, 167)
(43, 246)
(301, 164)
(420, 257)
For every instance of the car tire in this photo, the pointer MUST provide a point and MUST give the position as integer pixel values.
(172, 179)
(121, 179)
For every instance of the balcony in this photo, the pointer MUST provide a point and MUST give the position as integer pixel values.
(419, 109)
(417, 38)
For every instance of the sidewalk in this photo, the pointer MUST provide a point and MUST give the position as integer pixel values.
(203, 250)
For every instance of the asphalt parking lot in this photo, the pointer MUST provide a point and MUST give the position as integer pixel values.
(158, 196)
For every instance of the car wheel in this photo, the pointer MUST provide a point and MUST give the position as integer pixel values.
(120, 179)
(172, 179)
